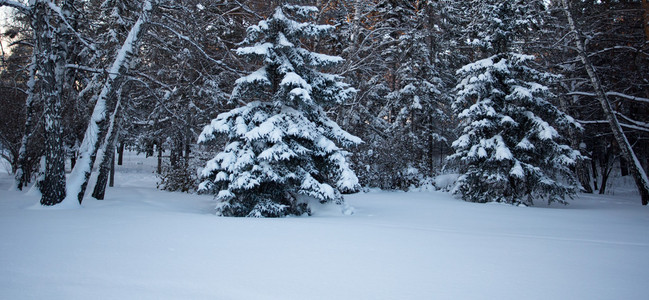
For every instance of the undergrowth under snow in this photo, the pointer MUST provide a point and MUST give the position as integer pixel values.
(141, 243)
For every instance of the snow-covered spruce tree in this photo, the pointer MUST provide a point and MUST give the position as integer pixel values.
(281, 144)
(416, 108)
(509, 149)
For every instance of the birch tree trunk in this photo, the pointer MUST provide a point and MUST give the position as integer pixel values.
(78, 180)
(636, 169)
(24, 167)
(23, 170)
(107, 160)
(51, 59)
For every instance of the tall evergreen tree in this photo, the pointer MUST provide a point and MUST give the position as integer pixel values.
(509, 149)
(416, 108)
(281, 144)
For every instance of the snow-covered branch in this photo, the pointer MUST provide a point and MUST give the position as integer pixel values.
(637, 123)
(60, 14)
(15, 4)
(605, 122)
(198, 47)
(84, 68)
(614, 94)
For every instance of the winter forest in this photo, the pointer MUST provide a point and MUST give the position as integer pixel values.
(262, 103)
(374, 149)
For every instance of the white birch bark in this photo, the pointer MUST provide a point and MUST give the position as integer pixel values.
(22, 175)
(636, 169)
(78, 178)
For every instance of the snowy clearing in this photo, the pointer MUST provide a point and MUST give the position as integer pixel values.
(141, 243)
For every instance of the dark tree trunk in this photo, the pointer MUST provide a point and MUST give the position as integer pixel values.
(120, 154)
(104, 173)
(111, 179)
(51, 57)
(605, 168)
(159, 168)
(584, 177)
(593, 165)
(108, 159)
(93, 158)
(73, 161)
(624, 167)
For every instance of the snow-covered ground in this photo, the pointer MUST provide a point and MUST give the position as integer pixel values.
(141, 243)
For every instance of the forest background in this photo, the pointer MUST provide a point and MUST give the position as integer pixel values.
(159, 71)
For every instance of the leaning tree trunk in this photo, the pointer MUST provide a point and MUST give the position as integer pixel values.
(108, 158)
(104, 173)
(80, 175)
(636, 169)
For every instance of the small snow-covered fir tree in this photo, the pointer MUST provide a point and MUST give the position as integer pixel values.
(281, 144)
(510, 149)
